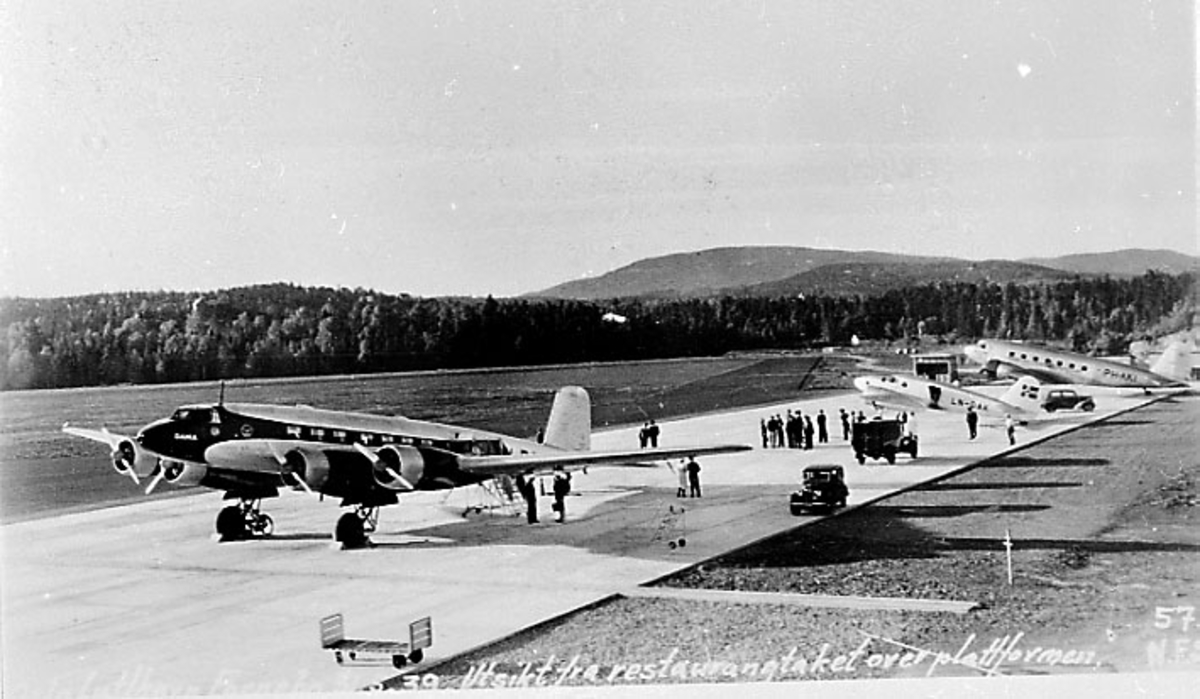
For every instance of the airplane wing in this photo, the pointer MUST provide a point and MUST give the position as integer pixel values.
(893, 399)
(1043, 375)
(521, 463)
(102, 436)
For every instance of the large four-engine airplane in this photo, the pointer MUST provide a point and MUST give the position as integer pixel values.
(251, 451)
(1056, 366)
(1022, 400)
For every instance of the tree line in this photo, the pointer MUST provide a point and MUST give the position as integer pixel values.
(287, 330)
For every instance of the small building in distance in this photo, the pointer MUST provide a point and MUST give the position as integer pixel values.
(937, 367)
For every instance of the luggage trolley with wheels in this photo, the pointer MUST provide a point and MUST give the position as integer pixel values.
(673, 527)
(333, 638)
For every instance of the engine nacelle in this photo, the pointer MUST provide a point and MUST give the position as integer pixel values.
(1004, 371)
(128, 456)
(405, 461)
(310, 466)
(183, 473)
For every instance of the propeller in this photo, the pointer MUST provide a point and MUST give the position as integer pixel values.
(156, 477)
(170, 472)
(124, 455)
(282, 459)
(386, 468)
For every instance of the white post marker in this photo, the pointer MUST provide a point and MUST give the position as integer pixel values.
(1008, 553)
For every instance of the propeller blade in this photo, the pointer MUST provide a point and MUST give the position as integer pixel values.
(398, 478)
(302, 483)
(158, 476)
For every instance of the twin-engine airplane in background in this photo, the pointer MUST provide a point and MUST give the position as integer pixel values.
(251, 451)
(1022, 400)
(1056, 366)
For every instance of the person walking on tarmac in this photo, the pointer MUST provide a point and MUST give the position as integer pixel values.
(525, 488)
(693, 471)
(822, 429)
(1010, 428)
(681, 491)
(972, 421)
(845, 417)
(562, 487)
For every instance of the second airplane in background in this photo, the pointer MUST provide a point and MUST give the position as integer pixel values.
(1057, 366)
(1022, 400)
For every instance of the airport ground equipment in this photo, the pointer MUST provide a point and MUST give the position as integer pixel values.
(672, 527)
(333, 638)
(823, 489)
(1067, 399)
(882, 439)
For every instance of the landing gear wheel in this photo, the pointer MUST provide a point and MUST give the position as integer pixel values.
(399, 661)
(350, 532)
(231, 524)
(416, 656)
(261, 525)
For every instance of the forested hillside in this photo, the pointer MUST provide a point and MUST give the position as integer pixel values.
(284, 330)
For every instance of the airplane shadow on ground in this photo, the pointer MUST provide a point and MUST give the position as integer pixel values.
(1122, 422)
(1006, 485)
(1019, 461)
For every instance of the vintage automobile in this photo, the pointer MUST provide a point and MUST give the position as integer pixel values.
(823, 489)
(1067, 399)
(882, 439)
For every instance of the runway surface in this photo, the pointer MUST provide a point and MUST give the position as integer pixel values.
(140, 600)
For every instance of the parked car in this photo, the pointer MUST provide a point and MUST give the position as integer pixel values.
(824, 488)
(1067, 399)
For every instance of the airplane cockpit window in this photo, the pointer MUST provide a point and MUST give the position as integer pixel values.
(187, 415)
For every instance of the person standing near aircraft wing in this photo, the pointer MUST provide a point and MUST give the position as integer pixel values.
(562, 488)
(1010, 428)
(693, 471)
(972, 422)
(525, 487)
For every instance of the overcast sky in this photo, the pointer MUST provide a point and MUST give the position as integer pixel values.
(503, 147)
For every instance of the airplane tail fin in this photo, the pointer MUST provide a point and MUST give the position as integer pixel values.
(1025, 394)
(1175, 362)
(570, 423)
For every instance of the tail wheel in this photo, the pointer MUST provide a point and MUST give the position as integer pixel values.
(231, 524)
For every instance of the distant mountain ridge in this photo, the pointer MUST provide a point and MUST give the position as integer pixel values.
(1121, 263)
(787, 271)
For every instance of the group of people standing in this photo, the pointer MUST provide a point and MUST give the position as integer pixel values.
(561, 487)
(797, 430)
(648, 435)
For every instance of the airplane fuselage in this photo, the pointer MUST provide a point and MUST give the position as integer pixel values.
(1056, 366)
(914, 392)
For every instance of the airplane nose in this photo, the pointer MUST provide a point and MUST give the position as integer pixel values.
(150, 437)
